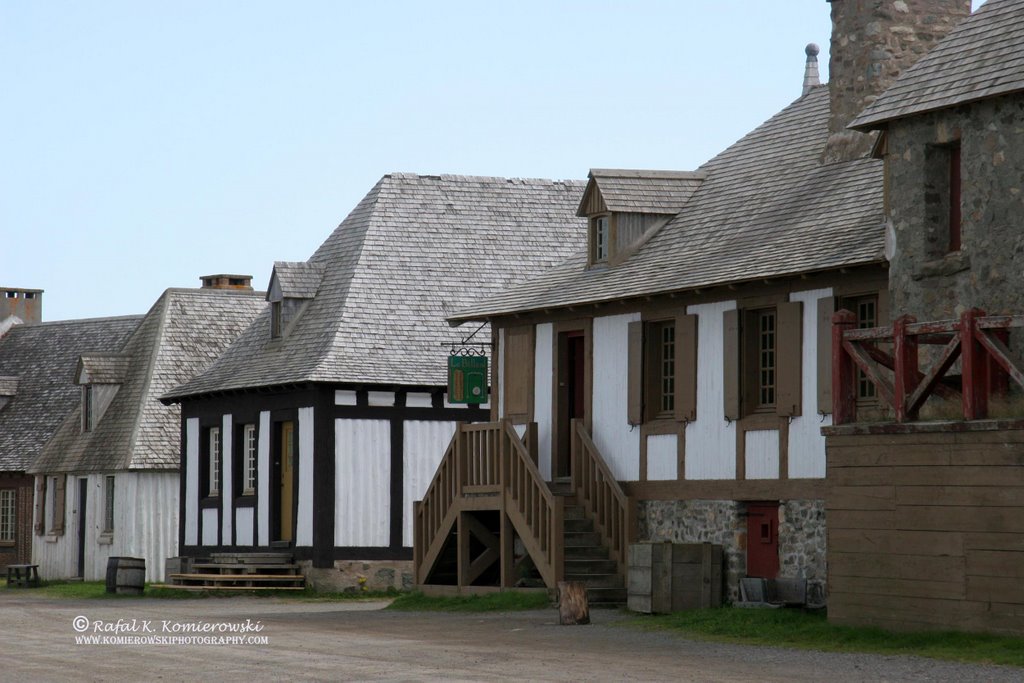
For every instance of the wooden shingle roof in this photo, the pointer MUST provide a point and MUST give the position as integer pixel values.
(767, 208)
(38, 363)
(415, 249)
(637, 191)
(184, 331)
(102, 368)
(296, 279)
(982, 57)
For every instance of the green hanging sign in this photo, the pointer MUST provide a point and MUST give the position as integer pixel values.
(467, 379)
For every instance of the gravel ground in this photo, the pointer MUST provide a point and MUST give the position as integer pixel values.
(357, 641)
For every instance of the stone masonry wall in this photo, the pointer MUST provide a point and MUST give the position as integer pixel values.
(353, 576)
(925, 280)
(724, 522)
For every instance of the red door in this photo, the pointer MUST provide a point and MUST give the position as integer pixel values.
(763, 540)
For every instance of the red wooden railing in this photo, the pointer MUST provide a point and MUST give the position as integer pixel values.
(601, 496)
(489, 459)
(978, 341)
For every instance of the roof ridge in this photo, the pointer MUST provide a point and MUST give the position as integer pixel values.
(458, 177)
(137, 406)
(78, 321)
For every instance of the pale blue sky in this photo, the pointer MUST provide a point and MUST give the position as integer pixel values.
(146, 144)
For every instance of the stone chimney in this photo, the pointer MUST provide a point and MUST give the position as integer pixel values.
(872, 42)
(24, 304)
(224, 281)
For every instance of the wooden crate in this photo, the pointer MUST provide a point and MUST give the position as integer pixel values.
(670, 577)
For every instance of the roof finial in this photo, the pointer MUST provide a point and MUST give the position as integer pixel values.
(811, 70)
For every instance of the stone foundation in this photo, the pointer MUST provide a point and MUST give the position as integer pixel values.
(802, 537)
(353, 576)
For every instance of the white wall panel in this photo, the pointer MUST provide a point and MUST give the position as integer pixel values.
(362, 508)
(244, 526)
(418, 399)
(210, 519)
(710, 440)
(344, 397)
(423, 446)
(618, 443)
(304, 518)
(263, 480)
(761, 449)
(806, 444)
(227, 479)
(542, 386)
(384, 399)
(192, 481)
(662, 457)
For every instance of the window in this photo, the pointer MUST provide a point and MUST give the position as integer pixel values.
(249, 460)
(87, 408)
(214, 456)
(660, 369)
(108, 504)
(761, 358)
(601, 238)
(51, 506)
(275, 319)
(866, 309)
(7, 513)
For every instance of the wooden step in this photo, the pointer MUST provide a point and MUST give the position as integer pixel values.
(237, 577)
(585, 552)
(267, 568)
(226, 588)
(577, 539)
(251, 558)
(590, 566)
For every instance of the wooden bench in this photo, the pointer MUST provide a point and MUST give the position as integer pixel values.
(23, 575)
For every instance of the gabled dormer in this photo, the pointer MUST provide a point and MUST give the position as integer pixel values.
(100, 375)
(292, 286)
(8, 389)
(626, 207)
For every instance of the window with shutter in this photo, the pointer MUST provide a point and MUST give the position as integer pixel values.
(662, 370)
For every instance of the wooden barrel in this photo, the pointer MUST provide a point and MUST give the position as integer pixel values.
(126, 575)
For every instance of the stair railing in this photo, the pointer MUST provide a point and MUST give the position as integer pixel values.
(603, 500)
(491, 459)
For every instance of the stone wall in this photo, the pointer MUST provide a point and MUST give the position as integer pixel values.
(353, 576)
(925, 280)
(802, 539)
(873, 41)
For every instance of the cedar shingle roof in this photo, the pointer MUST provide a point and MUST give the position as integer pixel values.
(42, 357)
(636, 191)
(184, 331)
(981, 57)
(297, 279)
(767, 208)
(103, 368)
(415, 249)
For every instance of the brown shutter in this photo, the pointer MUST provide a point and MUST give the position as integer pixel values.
(635, 380)
(788, 355)
(731, 361)
(826, 307)
(518, 373)
(686, 368)
(58, 505)
(40, 505)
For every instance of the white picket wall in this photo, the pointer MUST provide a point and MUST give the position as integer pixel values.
(362, 507)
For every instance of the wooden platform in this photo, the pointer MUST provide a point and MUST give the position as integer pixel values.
(241, 571)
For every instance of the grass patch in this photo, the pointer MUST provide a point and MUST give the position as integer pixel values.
(811, 631)
(93, 590)
(492, 602)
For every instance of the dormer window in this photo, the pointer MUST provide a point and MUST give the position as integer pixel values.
(601, 238)
(275, 319)
(88, 408)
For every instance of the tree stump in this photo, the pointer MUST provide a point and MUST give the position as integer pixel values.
(573, 607)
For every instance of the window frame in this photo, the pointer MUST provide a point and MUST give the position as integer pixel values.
(214, 467)
(88, 407)
(659, 357)
(276, 319)
(8, 516)
(866, 391)
(600, 239)
(109, 491)
(755, 389)
(249, 444)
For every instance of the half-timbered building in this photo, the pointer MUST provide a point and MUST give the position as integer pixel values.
(106, 481)
(36, 360)
(314, 432)
(677, 370)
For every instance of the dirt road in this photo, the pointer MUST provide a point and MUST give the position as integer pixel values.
(358, 641)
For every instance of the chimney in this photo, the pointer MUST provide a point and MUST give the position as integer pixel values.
(224, 281)
(811, 77)
(872, 42)
(24, 304)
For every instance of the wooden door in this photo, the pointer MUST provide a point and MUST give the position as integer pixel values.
(571, 394)
(83, 491)
(763, 540)
(286, 481)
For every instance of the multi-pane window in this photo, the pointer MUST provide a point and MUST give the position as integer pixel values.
(667, 344)
(275, 319)
(7, 512)
(659, 369)
(766, 358)
(108, 504)
(214, 451)
(249, 460)
(87, 408)
(602, 237)
(866, 310)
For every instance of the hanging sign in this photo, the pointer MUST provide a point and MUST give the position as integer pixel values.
(467, 379)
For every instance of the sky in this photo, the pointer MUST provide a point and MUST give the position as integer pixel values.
(145, 144)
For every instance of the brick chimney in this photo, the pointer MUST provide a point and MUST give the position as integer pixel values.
(225, 281)
(24, 304)
(872, 42)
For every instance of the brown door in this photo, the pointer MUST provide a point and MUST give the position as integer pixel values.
(763, 540)
(286, 479)
(571, 393)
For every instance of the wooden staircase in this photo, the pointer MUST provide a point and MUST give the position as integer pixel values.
(489, 522)
(241, 572)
